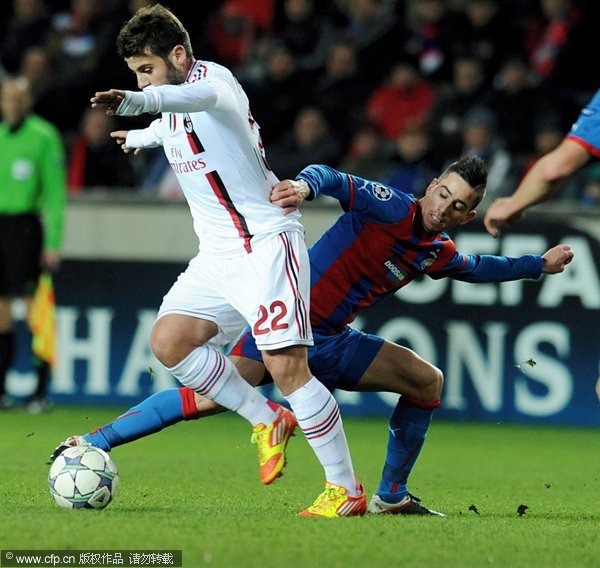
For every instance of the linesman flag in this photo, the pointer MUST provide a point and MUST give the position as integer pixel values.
(42, 320)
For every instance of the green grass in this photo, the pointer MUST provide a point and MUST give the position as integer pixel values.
(195, 487)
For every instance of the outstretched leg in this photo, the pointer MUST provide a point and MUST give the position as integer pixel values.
(398, 369)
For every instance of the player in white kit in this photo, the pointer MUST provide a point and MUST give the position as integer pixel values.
(252, 265)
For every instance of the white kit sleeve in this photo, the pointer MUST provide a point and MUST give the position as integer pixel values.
(146, 138)
(190, 97)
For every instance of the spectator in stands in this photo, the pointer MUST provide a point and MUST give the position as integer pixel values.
(452, 104)
(77, 37)
(516, 103)
(278, 95)
(429, 37)
(306, 33)
(339, 92)
(80, 37)
(95, 160)
(310, 142)
(378, 32)
(481, 139)
(232, 33)
(489, 31)
(547, 36)
(404, 100)
(28, 26)
(368, 154)
(48, 103)
(410, 169)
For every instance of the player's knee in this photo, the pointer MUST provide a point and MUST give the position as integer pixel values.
(168, 346)
(432, 383)
(436, 383)
(160, 348)
(289, 370)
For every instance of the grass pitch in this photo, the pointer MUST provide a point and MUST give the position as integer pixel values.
(195, 487)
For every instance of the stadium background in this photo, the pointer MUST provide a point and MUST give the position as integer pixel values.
(523, 352)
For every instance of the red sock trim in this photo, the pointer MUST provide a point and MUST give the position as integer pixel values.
(274, 406)
(188, 404)
(421, 403)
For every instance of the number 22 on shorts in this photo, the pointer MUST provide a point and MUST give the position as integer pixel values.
(276, 312)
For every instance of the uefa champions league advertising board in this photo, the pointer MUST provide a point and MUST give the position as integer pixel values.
(525, 351)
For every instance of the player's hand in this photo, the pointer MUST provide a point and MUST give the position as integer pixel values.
(120, 136)
(289, 194)
(109, 100)
(500, 214)
(557, 258)
(51, 260)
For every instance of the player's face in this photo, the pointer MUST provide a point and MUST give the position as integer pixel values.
(447, 203)
(153, 70)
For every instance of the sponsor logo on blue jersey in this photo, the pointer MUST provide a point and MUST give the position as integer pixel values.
(396, 273)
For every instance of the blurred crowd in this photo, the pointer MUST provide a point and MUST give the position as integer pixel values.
(386, 89)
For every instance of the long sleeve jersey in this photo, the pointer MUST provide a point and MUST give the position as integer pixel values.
(378, 245)
(33, 174)
(213, 145)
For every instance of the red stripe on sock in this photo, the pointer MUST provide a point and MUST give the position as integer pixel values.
(188, 404)
(421, 403)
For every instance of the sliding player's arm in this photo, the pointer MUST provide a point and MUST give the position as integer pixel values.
(491, 268)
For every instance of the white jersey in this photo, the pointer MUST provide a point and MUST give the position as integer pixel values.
(213, 145)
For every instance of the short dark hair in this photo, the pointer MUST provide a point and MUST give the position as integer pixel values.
(474, 171)
(153, 28)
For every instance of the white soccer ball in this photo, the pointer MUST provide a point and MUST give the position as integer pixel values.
(83, 477)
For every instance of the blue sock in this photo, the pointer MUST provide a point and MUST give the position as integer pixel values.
(408, 429)
(151, 415)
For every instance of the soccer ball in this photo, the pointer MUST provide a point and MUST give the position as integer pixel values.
(83, 477)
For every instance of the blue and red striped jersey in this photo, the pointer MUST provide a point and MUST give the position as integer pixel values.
(378, 245)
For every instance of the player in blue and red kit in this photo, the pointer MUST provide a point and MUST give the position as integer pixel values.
(579, 146)
(384, 240)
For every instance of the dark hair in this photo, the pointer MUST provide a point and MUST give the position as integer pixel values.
(474, 171)
(153, 28)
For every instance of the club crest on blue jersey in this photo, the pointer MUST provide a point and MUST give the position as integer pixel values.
(381, 192)
(428, 260)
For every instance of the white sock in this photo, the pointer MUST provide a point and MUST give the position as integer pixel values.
(319, 418)
(214, 376)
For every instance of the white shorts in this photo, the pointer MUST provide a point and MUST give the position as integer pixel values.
(268, 289)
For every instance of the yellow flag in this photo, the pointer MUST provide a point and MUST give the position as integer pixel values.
(42, 320)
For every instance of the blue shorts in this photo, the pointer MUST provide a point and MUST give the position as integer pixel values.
(338, 361)
(586, 131)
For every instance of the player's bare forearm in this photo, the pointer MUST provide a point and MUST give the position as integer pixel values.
(542, 181)
(557, 258)
(289, 194)
(507, 210)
